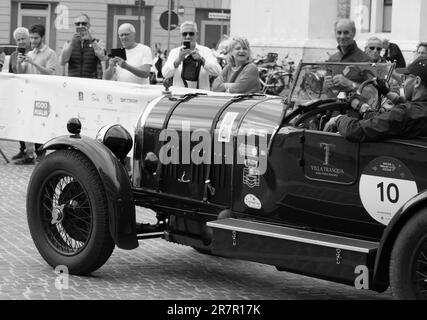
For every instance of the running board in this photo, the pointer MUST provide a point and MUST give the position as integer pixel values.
(310, 253)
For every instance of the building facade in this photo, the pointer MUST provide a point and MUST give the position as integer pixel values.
(212, 17)
(305, 28)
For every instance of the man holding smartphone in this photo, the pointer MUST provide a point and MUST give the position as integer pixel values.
(139, 59)
(40, 60)
(189, 52)
(84, 54)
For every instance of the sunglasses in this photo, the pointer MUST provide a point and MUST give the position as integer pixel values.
(191, 34)
(80, 24)
(375, 48)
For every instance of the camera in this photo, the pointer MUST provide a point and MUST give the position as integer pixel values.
(186, 44)
(21, 50)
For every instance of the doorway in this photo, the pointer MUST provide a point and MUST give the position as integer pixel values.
(32, 13)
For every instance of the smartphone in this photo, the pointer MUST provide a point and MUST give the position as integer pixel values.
(80, 30)
(21, 50)
(119, 52)
(186, 44)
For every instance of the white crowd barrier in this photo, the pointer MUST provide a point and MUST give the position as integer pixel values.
(36, 108)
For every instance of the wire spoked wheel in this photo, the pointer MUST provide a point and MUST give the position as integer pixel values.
(419, 271)
(67, 212)
(408, 264)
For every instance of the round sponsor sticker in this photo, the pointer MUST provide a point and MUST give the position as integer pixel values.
(253, 202)
(385, 186)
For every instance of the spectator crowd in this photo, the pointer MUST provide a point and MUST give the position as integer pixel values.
(189, 65)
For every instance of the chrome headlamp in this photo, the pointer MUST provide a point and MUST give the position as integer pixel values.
(116, 138)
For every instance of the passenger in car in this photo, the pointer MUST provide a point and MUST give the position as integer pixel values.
(373, 49)
(344, 78)
(406, 120)
(240, 75)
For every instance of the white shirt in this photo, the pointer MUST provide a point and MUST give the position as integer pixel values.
(211, 67)
(136, 57)
(44, 57)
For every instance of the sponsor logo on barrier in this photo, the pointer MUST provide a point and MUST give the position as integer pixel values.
(81, 96)
(41, 109)
(94, 97)
(110, 99)
(128, 100)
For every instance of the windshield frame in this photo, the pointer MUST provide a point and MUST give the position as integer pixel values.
(302, 64)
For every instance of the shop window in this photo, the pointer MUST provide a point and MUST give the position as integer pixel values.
(362, 15)
(372, 16)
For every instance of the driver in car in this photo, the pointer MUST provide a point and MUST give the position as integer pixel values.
(406, 120)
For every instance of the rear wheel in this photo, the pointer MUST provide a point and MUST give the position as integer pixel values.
(408, 266)
(67, 213)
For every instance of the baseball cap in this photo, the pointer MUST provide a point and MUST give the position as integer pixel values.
(416, 68)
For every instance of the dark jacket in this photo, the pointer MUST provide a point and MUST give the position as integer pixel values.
(83, 62)
(394, 53)
(405, 121)
(353, 55)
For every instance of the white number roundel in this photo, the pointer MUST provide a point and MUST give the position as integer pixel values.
(385, 186)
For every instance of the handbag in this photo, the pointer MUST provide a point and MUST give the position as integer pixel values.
(191, 70)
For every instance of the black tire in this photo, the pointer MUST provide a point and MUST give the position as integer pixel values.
(67, 213)
(408, 265)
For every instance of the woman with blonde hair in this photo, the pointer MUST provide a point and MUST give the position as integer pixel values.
(240, 75)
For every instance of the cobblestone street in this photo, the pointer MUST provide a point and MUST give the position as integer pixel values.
(156, 270)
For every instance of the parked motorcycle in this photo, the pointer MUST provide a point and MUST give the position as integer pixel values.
(274, 77)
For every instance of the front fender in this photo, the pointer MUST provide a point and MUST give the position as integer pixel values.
(382, 262)
(120, 204)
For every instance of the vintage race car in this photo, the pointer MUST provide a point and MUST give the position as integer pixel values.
(244, 176)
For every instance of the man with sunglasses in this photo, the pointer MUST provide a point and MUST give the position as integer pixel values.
(373, 49)
(194, 53)
(84, 54)
(406, 120)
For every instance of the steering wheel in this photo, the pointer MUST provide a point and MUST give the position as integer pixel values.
(316, 119)
(370, 100)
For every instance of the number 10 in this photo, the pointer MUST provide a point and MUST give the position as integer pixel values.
(392, 192)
